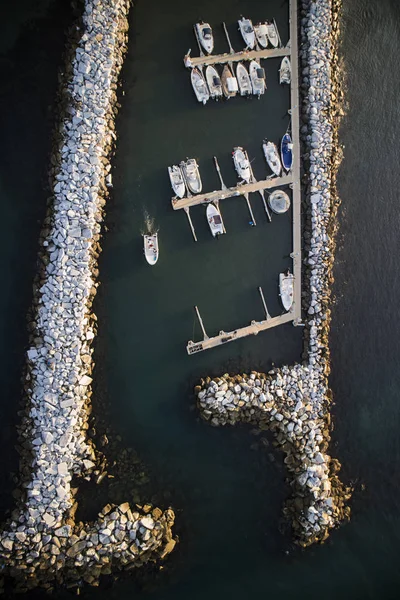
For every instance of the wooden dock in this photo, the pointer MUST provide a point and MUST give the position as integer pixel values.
(293, 179)
(228, 57)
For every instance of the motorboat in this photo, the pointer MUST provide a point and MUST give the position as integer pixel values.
(279, 202)
(286, 289)
(272, 34)
(213, 82)
(242, 164)
(205, 36)
(285, 72)
(247, 30)
(151, 248)
(229, 83)
(243, 79)
(177, 181)
(199, 86)
(287, 152)
(191, 173)
(214, 220)
(261, 32)
(257, 76)
(272, 157)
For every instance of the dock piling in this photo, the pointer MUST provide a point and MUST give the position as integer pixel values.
(223, 186)
(231, 50)
(267, 315)
(205, 336)
(246, 195)
(187, 211)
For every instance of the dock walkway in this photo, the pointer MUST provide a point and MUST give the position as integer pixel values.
(228, 57)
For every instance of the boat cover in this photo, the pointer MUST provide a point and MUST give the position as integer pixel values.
(260, 73)
(231, 84)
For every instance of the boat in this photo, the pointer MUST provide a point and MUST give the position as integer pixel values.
(261, 32)
(285, 72)
(191, 173)
(199, 86)
(177, 181)
(229, 83)
(151, 248)
(247, 30)
(243, 79)
(242, 164)
(286, 289)
(213, 82)
(279, 202)
(287, 152)
(205, 36)
(214, 220)
(272, 34)
(272, 157)
(257, 76)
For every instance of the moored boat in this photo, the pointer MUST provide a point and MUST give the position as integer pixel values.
(177, 181)
(247, 30)
(257, 76)
(243, 79)
(151, 248)
(261, 32)
(213, 82)
(272, 34)
(214, 220)
(191, 173)
(285, 72)
(205, 36)
(287, 152)
(229, 83)
(272, 157)
(286, 289)
(242, 163)
(199, 86)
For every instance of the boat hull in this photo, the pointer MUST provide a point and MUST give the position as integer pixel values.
(151, 248)
(227, 77)
(177, 186)
(214, 220)
(272, 35)
(244, 81)
(258, 85)
(286, 290)
(272, 157)
(242, 165)
(206, 43)
(190, 170)
(213, 82)
(248, 36)
(285, 72)
(286, 152)
(261, 34)
(199, 86)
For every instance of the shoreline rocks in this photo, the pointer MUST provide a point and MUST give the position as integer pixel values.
(294, 402)
(41, 543)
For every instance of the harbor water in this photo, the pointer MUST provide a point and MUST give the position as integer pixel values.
(226, 487)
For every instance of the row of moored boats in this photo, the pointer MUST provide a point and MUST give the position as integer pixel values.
(262, 35)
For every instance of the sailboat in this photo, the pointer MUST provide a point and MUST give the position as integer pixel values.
(272, 157)
(199, 86)
(151, 248)
(285, 72)
(205, 36)
(214, 220)
(213, 82)
(286, 289)
(243, 79)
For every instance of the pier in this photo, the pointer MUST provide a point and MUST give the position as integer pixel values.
(227, 57)
(292, 179)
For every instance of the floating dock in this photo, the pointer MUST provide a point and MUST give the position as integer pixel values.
(244, 55)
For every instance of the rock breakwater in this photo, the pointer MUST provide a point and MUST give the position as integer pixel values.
(42, 543)
(294, 402)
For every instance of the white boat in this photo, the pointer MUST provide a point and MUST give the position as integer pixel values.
(214, 220)
(199, 86)
(286, 289)
(247, 30)
(261, 32)
(151, 248)
(243, 79)
(214, 82)
(272, 34)
(257, 76)
(190, 170)
(242, 164)
(177, 181)
(285, 72)
(272, 157)
(205, 36)
(229, 83)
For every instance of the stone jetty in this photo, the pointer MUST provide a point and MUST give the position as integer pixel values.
(42, 544)
(294, 402)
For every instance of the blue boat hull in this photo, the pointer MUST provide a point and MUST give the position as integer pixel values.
(286, 152)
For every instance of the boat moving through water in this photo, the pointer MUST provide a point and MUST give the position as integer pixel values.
(229, 83)
(285, 72)
(243, 79)
(257, 76)
(151, 248)
(205, 36)
(261, 32)
(214, 220)
(272, 157)
(191, 173)
(287, 152)
(272, 34)
(177, 181)
(242, 164)
(286, 289)
(214, 82)
(199, 86)
(247, 30)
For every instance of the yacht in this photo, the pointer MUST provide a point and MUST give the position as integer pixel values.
(287, 152)
(191, 173)
(229, 83)
(205, 36)
(272, 157)
(257, 76)
(286, 289)
(213, 82)
(261, 32)
(285, 72)
(247, 30)
(214, 220)
(199, 86)
(177, 181)
(151, 248)
(243, 79)
(242, 164)
(272, 34)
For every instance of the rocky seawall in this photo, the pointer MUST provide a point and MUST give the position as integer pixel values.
(294, 402)
(42, 543)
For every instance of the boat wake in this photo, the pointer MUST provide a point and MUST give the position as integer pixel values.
(149, 227)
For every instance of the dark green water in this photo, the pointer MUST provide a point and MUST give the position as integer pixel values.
(228, 497)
